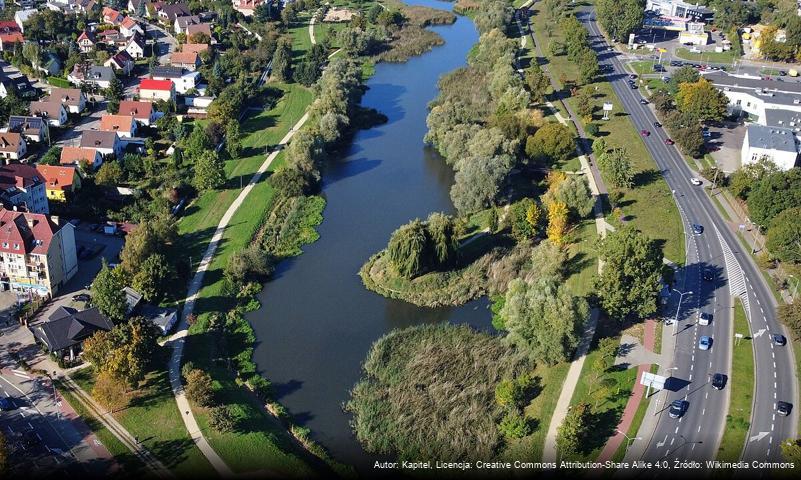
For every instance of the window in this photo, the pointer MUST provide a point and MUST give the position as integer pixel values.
(16, 246)
(5, 244)
(738, 102)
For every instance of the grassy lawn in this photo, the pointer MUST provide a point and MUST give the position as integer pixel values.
(265, 128)
(153, 416)
(328, 31)
(301, 43)
(742, 391)
(650, 204)
(658, 338)
(129, 462)
(715, 57)
(642, 67)
(635, 425)
(583, 260)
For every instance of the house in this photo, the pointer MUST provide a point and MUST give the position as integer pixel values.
(124, 125)
(246, 7)
(135, 46)
(779, 145)
(98, 75)
(51, 64)
(150, 89)
(110, 37)
(77, 156)
(64, 332)
(195, 48)
(197, 105)
(73, 99)
(184, 80)
(142, 112)
(85, 6)
(163, 318)
(182, 22)
(129, 27)
(23, 188)
(8, 40)
(51, 110)
(193, 31)
(137, 7)
(8, 26)
(187, 60)
(755, 96)
(106, 143)
(17, 83)
(34, 129)
(12, 146)
(168, 13)
(86, 42)
(122, 62)
(109, 15)
(60, 182)
(22, 16)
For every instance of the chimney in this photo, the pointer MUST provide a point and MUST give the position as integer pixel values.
(31, 221)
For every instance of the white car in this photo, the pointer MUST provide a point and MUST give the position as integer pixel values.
(704, 318)
(696, 181)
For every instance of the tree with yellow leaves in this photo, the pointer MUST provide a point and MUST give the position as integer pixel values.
(557, 222)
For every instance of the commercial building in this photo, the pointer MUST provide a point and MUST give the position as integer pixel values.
(22, 187)
(779, 145)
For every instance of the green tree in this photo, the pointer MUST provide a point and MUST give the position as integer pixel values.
(115, 92)
(221, 419)
(571, 433)
(514, 425)
(575, 194)
(702, 100)
(616, 164)
(440, 228)
(620, 17)
(408, 249)
(199, 387)
(773, 194)
(537, 82)
(154, 278)
(790, 315)
(109, 174)
(478, 182)
(784, 236)
(107, 294)
(525, 215)
(282, 61)
(743, 180)
(233, 142)
(588, 66)
(685, 74)
(552, 141)
(791, 450)
(584, 102)
(543, 319)
(629, 282)
(209, 171)
(51, 157)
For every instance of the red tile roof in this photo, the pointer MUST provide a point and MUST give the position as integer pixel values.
(76, 155)
(18, 175)
(137, 110)
(57, 178)
(10, 141)
(150, 84)
(12, 37)
(116, 123)
(23, 232)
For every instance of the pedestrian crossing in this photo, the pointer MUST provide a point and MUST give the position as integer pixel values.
(737, 285)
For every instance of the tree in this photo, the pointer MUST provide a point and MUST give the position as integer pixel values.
(790, 315)
(553, 141)
(571, 433)
(791, 450)
(478, 182)
(629, 282)
(32, 53)
(617, 166)
(743, 180)
(111, 392)
(702, 100)
(249, 263)
(107, 294)
(221, 419)
(620, 17)
(492, 220)
(543, 319)
(575, 194)
(282, 61)
(537, 82)
(773, 194)
(233, 142)
(154, 278)
(199, 387)
(525, 216)
(408, 250)
(784, 236)
(588, 66)
(123, 353)
(209, 171)
(557, 222)
(115, 90)
(110, 174)
(51, 157)
(3, 454)
(585, 106)
(514, 425)
(440, 230)
(685, 74)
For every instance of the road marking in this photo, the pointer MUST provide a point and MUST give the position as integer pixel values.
(774, 418)
(699, 428)
(691, 376)
(771, 426)
(703, 412)
(675, 431)
(774, 395)
(774, 374)
(774, 364)
(774, 384)
(38, 436)
(672, 440)
(770, 440)
(20, 373)
(768, 453)
(29, 424)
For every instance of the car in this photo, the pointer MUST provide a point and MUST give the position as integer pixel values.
(704, 318)
(782, 73)
(705, 342)
(633, 86)
(665, 78)
(643, 101)
(657, 125)
(668, 141)
(632, 76)
(81, 297)
(784, 408)
(659, 68)
(713, 148)
(6, 404)
(696, 181)
(645, 133)
(718, 381)
(698, 229)
(706, 134)
(677, 408)
(708, 275)
(779, 339)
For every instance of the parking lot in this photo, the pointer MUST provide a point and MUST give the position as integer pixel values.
(726, 142)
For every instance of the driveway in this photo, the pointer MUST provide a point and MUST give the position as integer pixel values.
(729, 139)
(164, 42)
(71, 137)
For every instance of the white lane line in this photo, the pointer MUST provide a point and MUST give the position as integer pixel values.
(774, 364)
(675, 431)
(691, 377)
(22, 375)
(672, 440)
(774, 418)
(770, 440)
(703, 412)
(699, 428)
(774, 384)
(771, 426)
(29, 424)
(710, 364)
(768, 453)
(774, 395)
(774, 374)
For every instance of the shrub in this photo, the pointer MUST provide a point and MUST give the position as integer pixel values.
(199, 388)
(221, 419)
(514, 425)
(592, 129)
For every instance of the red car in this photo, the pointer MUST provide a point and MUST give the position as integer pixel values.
(645, 133)
(669, 141)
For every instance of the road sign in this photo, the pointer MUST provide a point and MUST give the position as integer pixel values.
(607, 108)
(649, 379)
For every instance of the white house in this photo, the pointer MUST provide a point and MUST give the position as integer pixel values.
(22, 16)
(184, 80)
(52, 110)
(135, 46)
(776, 144)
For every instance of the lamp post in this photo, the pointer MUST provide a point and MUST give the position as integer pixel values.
(678, 308)
(629, 440)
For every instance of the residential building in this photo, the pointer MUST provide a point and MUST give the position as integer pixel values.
(123, 125)
(9, 26)
(129, 27)
(8, 40)
(137, 7)
(73, 99)
(23, 188)
(86, 42)
(246, 7)
(168, 13)
(98, 75)
(106, 143)
(34, 129)
(122, 62)
(109, 15)
(151, 90)
(755, 96)
(192, 31)
(135, 46)
(162, 318)
(51, 64)
(17, 83)
(181, 23)
(22, 16)
(60, 182)
(184, 80)
(195, 48)
(196, 105)
(142, 112)
(66, 329)
(186, 60)
(776, 144)
(50, 110)
(77, 156)
(12, 146)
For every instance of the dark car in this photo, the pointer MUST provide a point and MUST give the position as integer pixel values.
(708, 275)
(779, 339)
(718, 381)
(698, 229)
(6, 404)
(634, 86)
(632, 76)
(668, 141)
(782, 73)
(645, 133)
(643, 101)
(657, 125)
(677, 408)
(81, 297)
(784, 408)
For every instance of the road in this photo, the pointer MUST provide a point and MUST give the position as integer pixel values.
(718, 249)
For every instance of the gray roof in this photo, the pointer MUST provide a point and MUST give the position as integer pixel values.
(781, 84)
(68, 327)
(96, 73)
(771, 138)
(132, 298)
(775, 117)
(164, 318)
(166, 71)
(98, 139)
(17, 123)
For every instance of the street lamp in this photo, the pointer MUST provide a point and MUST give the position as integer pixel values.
(678, 307)
(629, 440)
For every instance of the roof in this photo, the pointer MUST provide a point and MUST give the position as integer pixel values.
(783, 92)
(116, 123)
(86, 36)
(184, 20)
(24, 124)
(8, 26)
(29, 232)
(18, 175)
(194, 47)
(69, 96)
(137, 110)
(198, 28)
(128, 23)
(771, 138)
(150, 84)
(120, 58)
(96, 73)
(110, 14)
(57, 178)
(49, 108)
(137, 40)
(775, 117)
(18, 82)
(76, 155)
(166, 71)
(10, 141)
(159, 316)
(98, 139)
(132, 299)
(175, 10)
(184, 58)
(68, 327)
(111, 32)
(11, 37)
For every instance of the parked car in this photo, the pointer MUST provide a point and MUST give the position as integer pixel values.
(643, 101)
(782, 73)
(645, 133)
(718, 381)
(698, 229)
(81, 297)
(705, 342)
(657, 125)
(704, 318)
(784, 408)
(632, 76)
(779, 339)
(6, 404)
(633, 86)
(668, 141)
(677, 408)
(696, 181)
(706, 133)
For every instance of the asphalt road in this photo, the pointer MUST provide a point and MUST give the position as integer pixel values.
(719, 249)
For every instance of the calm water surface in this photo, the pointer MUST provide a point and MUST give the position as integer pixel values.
(318, 321)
